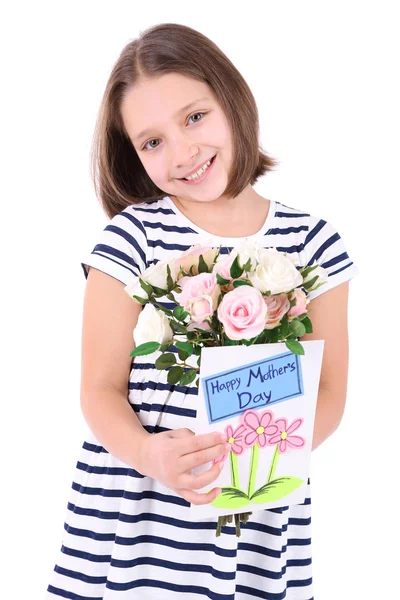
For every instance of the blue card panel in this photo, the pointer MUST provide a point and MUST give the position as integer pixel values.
(255, 385)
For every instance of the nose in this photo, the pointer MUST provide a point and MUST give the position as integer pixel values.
(184, 154)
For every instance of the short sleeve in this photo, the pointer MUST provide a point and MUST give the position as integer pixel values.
(324, 245)
(122, 248)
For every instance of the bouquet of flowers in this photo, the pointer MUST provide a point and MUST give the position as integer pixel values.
(252, 295)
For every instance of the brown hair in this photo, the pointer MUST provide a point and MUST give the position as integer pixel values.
(118, 175)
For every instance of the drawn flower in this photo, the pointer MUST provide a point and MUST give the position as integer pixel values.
(234, 438)
(259, 427)
(284, 436)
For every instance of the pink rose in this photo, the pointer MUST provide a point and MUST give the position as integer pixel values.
(223, 268)
(277, 305)
(243, 313)
(199, 295)
(191, 257)
(301, 301)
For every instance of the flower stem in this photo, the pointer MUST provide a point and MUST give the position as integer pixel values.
(255, 451)
(273, 464)
(234, 470)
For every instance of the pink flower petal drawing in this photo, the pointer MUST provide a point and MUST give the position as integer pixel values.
(234, 438)
(259, 427)
(284, 437)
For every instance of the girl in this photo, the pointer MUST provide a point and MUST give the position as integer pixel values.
(176, 155)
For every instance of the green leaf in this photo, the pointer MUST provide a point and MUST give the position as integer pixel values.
(165, 360)
(174, 374)
(221, 280)
(146, 348)
(236, 270)
(139, 299)
(307, 324)
(231, 497)
(185, 346)
(239, 282)
(294, 346)
(164, 347)
(180, 313)
(203, 268)
(307, 270)
(247, 265)
(310, 283)
(146, 286)
(183, 355)
(276, 489)
(297, 328)
(188, 377)
(284, 327)
(158, 292)
(170, 282)
(292, 302)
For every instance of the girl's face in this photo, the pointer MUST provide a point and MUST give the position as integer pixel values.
(172, 139)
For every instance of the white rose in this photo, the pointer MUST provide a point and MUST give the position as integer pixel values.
(275, 273)
(248, 250)
(157, 274)
(322, 277)
(152, 326)
(135, 289)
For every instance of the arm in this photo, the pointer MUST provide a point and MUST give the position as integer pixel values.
(109, 317)
(328, 313)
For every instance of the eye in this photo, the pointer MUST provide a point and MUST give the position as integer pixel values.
(144, 147)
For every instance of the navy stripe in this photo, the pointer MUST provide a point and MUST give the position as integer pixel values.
(85, 555)
(173, 587)
(81, 576)
(163, 211)
(168, 228)
(173, 566)
(342, 269)
(70, 595)
(329, 242)
(130, 239)
(166, 409)
(270, 595)
(151, 385)
(112, 471)
(286, 230)
(289, 215)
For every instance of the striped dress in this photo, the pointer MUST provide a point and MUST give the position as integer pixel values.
(128, 536)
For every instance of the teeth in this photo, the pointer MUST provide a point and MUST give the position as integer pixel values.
(199, 172)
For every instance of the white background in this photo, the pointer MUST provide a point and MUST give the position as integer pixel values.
(325, 79)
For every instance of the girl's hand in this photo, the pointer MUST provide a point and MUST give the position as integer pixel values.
(170, 456)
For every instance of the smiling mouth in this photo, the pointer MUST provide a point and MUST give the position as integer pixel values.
(211, 162)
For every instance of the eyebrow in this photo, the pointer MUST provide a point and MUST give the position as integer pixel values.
(184, 108)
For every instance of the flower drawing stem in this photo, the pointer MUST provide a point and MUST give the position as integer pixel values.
(234, 470)
(273, 464)
(255, 451)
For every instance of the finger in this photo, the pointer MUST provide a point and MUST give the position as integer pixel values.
(202, 457)
(184, 432)
(195, 482)
(201, 441)
(196, 498)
